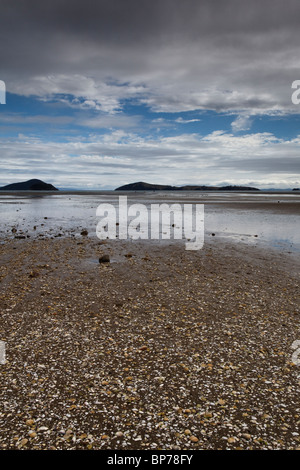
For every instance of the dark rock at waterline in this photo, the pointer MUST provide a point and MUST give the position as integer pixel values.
(84, 233)
(104, 259)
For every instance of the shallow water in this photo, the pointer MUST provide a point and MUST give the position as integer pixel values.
(252, 218)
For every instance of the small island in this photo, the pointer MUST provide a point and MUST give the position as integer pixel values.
(30, 185)
(141, 186)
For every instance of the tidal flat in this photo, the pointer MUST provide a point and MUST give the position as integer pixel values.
(159, 348)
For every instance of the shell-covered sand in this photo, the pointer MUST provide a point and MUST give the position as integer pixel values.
(161, 348)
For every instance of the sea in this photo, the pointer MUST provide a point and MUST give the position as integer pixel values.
(269, 219)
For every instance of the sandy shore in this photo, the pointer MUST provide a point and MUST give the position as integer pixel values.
(159, 349)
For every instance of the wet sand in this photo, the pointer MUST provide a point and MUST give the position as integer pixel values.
(161, 348)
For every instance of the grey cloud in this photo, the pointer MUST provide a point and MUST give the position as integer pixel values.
(188, 55)
(116, 20)
(269, 165)
(37, 119)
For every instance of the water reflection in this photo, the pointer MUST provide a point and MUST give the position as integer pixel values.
(249, 218)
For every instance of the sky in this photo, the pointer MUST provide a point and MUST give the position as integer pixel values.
(110, 92)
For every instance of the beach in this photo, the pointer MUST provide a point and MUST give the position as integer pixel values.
(160, 348)
(149, 235)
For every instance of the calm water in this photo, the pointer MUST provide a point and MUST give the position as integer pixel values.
(255, 218)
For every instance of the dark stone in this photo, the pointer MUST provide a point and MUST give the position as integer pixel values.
(104, 259)
(33, 274)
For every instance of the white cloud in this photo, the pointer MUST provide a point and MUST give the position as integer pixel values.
(241, 123)
(180, 120)
(121, 157)
(78, 91)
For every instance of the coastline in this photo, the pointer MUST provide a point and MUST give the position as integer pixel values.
(168, 348)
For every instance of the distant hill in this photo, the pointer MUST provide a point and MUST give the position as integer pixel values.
(145, 187)
(141, 186)
(30, 185)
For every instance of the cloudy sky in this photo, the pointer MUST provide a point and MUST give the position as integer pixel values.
(108, 92)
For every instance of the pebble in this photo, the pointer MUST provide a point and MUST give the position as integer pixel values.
(30, 422)
(42, 429)
(231, 440)
(23, 442)
(104, 259)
